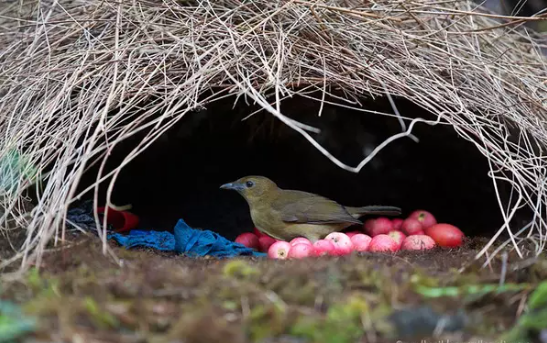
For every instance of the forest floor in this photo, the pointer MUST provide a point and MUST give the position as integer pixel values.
(82, 295)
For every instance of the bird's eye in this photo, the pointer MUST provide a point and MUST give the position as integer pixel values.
(249, 184)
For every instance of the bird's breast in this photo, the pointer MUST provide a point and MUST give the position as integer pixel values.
(266, 220)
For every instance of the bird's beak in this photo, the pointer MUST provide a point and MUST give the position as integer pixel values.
(232, 186)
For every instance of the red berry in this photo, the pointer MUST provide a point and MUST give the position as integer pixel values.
(445, 235)
(412, 226)
(248, 239)
(380, 226)
(397, 223)
(265, 242)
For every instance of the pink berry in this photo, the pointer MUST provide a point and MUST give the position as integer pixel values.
(323, 247)
(352, 233)
(279, 250)
(342, 243)
(425, 218)
(301, 250)
(398, 237)
(383, 243)
(361, 242)
(300, 240)
(418, 242)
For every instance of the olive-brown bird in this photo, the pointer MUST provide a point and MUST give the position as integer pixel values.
(286, 214)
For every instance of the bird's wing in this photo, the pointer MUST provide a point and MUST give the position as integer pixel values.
(301, 207)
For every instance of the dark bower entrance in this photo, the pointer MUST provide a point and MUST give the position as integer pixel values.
(179, 175)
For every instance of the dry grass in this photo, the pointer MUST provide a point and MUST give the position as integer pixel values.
(66, 65)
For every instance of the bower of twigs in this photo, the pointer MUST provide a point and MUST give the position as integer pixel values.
(77, 78)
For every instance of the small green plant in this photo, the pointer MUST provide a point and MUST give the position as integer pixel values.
(469, 290)
(533, 320)
(341, 324)
(239, 269)
(100, 318)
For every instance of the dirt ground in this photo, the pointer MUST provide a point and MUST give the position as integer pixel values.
(81, 295)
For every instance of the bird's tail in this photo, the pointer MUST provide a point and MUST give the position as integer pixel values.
(357, 212)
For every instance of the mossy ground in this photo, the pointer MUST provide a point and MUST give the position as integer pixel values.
(81, 295)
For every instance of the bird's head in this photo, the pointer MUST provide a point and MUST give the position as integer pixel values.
(251, 187)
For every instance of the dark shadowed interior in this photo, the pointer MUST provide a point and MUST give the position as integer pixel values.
(179, 175)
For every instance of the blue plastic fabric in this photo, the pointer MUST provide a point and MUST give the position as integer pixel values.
(188, 241)
(159, 240)
(194, 242)
(83, 217)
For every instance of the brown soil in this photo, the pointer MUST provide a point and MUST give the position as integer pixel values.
(82, 295)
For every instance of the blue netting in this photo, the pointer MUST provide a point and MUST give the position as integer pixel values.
(188, 241)
(185, 240)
